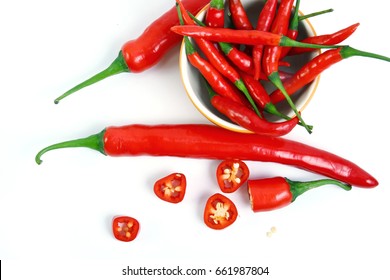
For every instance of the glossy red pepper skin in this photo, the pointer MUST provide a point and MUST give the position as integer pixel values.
(125, 228)
(171, 188)
(328, 39)
(219, 212)
(239, 16)
(246, 118)
(215, 14)
(146, 50)
(212, 142)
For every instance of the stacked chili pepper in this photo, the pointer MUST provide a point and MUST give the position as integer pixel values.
(254, 53)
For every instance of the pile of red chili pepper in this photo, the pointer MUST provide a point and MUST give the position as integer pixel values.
(236, 58)
(235, 62)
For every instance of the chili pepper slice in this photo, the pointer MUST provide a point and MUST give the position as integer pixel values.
(239, 16)
(277, 192)
(231, 175)
(215, 14)
(316, 66)
(171, 188)
(145, 51)
(125, 228)
(219, 212)
(212, 142)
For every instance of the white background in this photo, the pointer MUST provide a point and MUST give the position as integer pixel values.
(55, 219)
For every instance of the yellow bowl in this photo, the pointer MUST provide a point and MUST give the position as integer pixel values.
(198, 94)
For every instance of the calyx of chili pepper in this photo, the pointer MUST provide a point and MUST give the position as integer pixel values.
(94, 142)
(297, 188)
(117, 66)
(348, 51)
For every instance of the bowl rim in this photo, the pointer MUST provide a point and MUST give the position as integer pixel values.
(312, 88)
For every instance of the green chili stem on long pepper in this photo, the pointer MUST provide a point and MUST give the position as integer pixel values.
(94, 142)
(275, 79)
(298, 188)
(117, 66)
(348, 51)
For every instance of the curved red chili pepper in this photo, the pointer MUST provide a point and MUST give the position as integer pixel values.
(292, 31)
(264, 23)
(213, 142)
(215, 14)
(246, 118)
(239, 16)
(145, 51)
(316, 66)
(328, 39)
(277, 192)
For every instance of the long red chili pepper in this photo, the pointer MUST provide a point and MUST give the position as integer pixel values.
(212, 75)
(247, 118)
(239, 16)
(316, 66)
(216, 58)
(264, 23)
(327, 39)
(292, 31)
(145, 51)
(271, 56)
(277, 192)
(215, 14)
(213, 142)
(246, 37)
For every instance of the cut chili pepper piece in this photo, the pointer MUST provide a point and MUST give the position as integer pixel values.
(231, 175)
(171, 188)
(125, 228)
(219, 212)
(277, 192)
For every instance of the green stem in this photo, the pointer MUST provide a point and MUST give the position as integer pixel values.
(288, 42)
(94, 142)
(217, 4)
(275, 79)
(348, 51)
(117, 66)
(298, 188)
(241, 86)
(315, 14)
(295, 18)
(271, 109)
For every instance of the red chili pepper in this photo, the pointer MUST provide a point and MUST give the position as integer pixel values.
(264, 23)
(171, 188)
(231, 175)
(217, 59)
(239, 16)
(246, 37)
(215, 15)
(292, 31)
(219, 212)
(212, 142)
(328, 39)
(219, 84)
(144, 52)
(277, 192)
(248, 119)
(125, 228)
(316, 66)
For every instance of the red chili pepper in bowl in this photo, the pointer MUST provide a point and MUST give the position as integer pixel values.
(215, 15)
(145, 51)
(316, 66)
(277, 192)
(212, 142)
(239, 16)
(171, 188)
(248, 119)
(125, 228)
(231, 175)
(219, 212)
